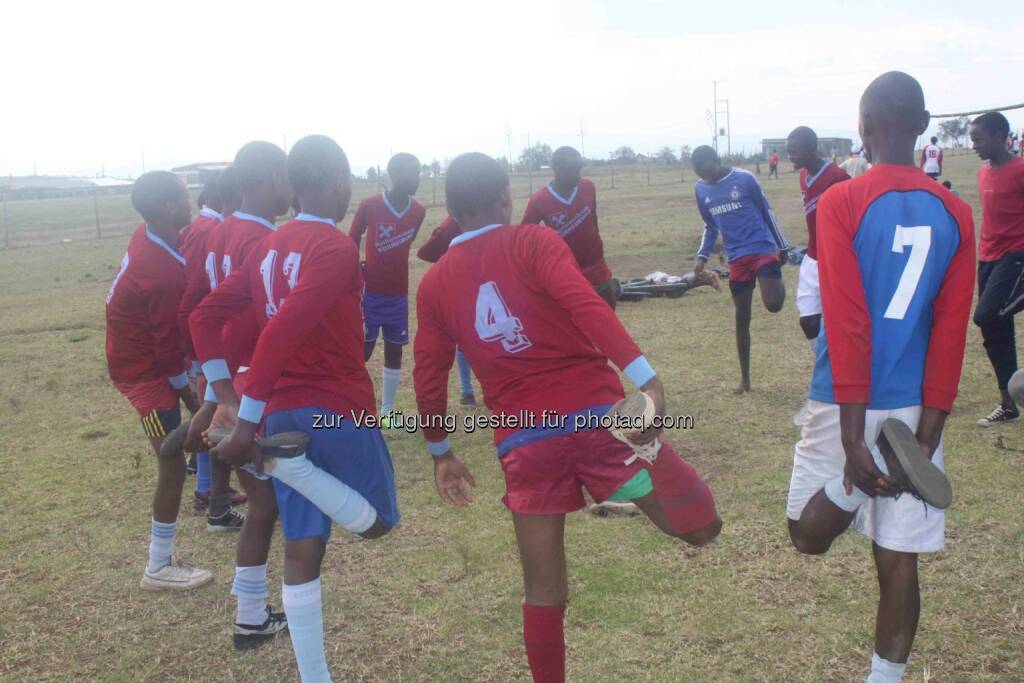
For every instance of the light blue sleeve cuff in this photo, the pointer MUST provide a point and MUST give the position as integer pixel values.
(179, 381)
(251, 410)
(196, 368)
(216, 369)
(210, 394)
(437, 448)
(639, 372)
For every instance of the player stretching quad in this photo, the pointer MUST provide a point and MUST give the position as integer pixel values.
(220, 195)
(896, 257)
(305, 284)
(1001, 263)
(816, 176)
(539, 338)
(390, 221)
(145, 359)
(433, 249)
(568, 204)
(732, 202)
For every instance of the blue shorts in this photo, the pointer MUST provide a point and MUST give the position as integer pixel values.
(387, 312)
(357, 457)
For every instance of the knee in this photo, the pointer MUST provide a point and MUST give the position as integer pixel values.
(811, 325)
(704, 535)
(774, 304)
(806, 546)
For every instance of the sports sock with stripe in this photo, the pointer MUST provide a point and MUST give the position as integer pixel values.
(544, 637)
(250, 587)
(304, 608)
(161, 545)
(884, 671)
(389, 389)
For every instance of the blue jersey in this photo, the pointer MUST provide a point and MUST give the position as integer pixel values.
(896, 262)
(737, 207)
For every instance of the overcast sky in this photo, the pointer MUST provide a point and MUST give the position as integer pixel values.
(97, 85)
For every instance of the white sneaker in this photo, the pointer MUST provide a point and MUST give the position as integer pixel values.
(176, 577)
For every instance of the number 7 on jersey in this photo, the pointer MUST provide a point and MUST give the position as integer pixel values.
(919, 239)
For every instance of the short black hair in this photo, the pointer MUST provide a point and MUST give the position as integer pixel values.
(805, 136)
(256, 162)
(896, 100)
(153, 191)
(934, 139)
(564, 155)
(993, 122)
(315, 162)
(400, 160)
(703, 154)
(474, 182)
(227, 184)
(948, 185)
(210, 192)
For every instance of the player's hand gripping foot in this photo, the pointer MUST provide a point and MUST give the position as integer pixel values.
(176, 577)
(910, 468)
(632, 419)
(249, 636)
(260, 450)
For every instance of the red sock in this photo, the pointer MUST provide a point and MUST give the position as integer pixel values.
(544, 635)
(685, 498)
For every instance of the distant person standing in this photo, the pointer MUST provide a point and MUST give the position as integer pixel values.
(931, 159)
(856, 165)
(1001, 255)
(773, 164)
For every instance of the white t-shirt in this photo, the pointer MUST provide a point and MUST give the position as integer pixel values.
(855, 166)
(932, 159)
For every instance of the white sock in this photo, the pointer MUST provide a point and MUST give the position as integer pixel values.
(884, 671)
(389, 389)
(336, 499)
(161, 545)
(304, 608)
(837, 494)
(250, 587)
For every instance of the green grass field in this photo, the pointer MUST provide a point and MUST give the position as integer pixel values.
(439, 598)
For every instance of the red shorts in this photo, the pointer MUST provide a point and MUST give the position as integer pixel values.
(547, 477)
(145, 397)
(744, 269)
(598, 273)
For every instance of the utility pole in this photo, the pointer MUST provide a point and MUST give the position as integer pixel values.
(96, 211)
(508, 145)
(714, 134)
(611, 156)
(722, 107)
(583, 152)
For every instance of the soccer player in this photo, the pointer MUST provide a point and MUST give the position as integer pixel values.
(145, 359)
(816, 176)
(856, 165)
(390, 221)
(1001, 261)
(308, 369)
(931, 159)
(773, 165)
(433, 249)
(896, 258)
(732, 203)
(568, 204)
(220, 194)
(539, 338)
(261, 169)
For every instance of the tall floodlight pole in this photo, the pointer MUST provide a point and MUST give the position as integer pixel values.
(714, 136)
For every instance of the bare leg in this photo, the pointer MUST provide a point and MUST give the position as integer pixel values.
(742, 302)
(811, 325)
(899, 603)
(773, 292)
(170, 478)
(541, 541)
(258, 529)
(368, 349)
(392, 355)
(820, 523)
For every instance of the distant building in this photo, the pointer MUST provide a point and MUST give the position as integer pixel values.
(826, 146)
(196, 175)
(54, 187)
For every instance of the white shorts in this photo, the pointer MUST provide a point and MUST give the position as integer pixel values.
(808, 290)
(903, 524)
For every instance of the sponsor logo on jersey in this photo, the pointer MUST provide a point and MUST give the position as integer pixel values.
(725, 208)
(735, 194)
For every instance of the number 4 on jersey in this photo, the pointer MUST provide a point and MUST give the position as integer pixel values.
(495, 322)
(919, 239)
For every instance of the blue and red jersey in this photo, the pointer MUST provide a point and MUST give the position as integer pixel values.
(896, 262)
(737, 207)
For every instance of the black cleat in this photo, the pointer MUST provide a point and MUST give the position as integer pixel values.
(909, 470)
(229, 521)
(248, 636)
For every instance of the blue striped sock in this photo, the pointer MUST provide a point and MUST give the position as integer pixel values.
(465, 373)
(304, 608)
(250, 587)
(204, 473)
(161, 545)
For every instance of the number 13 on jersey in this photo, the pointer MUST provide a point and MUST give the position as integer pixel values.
(495, 322)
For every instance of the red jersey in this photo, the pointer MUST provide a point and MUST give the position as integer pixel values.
(228, 247)
(193, 248)
(774, 159)
(1002, 209)
(143, 341)
(305, 286)
(389, 236)
(535, 332)
(811, 188)
(573, 217)
(437, 244)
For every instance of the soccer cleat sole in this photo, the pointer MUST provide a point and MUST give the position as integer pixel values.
(155, 586)
(1016, 387)
(283, 445)
(897, 440)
